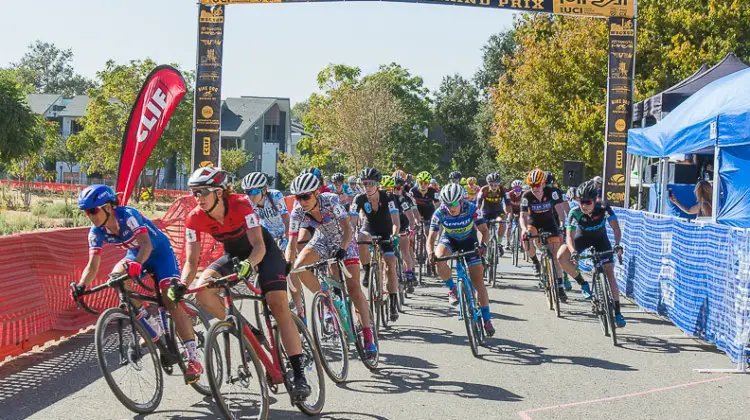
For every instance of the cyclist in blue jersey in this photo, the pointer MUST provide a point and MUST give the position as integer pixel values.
(147, 249)
(269, 205)
(460, 223)
(342, 189)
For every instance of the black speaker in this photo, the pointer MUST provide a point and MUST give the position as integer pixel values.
(682, 174)
(572, 175)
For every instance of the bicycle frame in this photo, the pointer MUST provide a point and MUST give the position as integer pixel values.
(463, 275)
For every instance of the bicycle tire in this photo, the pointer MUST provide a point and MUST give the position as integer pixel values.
(133, 351)
(467, 313)
(335, 341)
(544, 278)
(599, 302)
(610, 310)
(515, 237)
(215, 359)
(488, 260)
(384, 300)
(495, 261)
(312, 366)
(197, 317)
(370, 363)
(553, 285)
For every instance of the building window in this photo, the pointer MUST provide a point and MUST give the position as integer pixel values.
(271, 132)
(75, 127)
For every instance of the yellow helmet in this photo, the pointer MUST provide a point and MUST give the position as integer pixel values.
(471, 181)
(387, 182)
(536, 177)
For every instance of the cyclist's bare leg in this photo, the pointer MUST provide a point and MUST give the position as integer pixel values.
(508, 229)
(404, 247)
(390, 263)
(209, 298)
(355, 292)
(500, 230)
(476, 273)
(364, 249)
(183, 325)
(307, 256)
(563, 257)
(554, 246)
(278, 303)
(443, 269)
(609, 270)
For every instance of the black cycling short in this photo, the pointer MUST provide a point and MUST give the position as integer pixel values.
(426, 212)
(386, 247)
(549, 227)
(600, 243)
(272, 270)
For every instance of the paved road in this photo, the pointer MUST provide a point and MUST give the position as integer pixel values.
(537, 367)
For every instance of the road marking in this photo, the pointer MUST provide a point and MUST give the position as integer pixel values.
(525, 414)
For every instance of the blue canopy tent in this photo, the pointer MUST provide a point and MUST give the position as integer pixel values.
(714, 119)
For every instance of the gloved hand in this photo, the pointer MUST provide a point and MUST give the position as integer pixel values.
(134, 268)
(430, 258)
(340, 254)
(246, 269)
(574, 257)
(176, 291)
(481, 250)
(618, 249)
(80, 288)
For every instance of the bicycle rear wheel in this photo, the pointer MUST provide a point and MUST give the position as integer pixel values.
(494, 262)
(235, 374)
(489, 258)
(370, 363)
(515, 237)
(329, 336)
(311, 365)
(124, 361)
(467, 313)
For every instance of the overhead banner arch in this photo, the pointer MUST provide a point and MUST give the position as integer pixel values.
(621, 29)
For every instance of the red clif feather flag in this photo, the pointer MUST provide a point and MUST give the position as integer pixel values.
(158, 98)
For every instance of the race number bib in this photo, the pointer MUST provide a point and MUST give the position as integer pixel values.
(132, 223)
(555, 195)
(190, 235)
(405, 206)
(92, 240)
(392, 206)
(294, 226)
(252, 221)
(525, 202)
(339, 211)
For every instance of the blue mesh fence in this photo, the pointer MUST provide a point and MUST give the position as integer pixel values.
(695, 274)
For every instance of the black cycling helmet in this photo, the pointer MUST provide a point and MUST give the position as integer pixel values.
(337, 177)
(550, 178)
(398, 181)
(493, 177)
(455, 176)
(371, 174)
(587, 191)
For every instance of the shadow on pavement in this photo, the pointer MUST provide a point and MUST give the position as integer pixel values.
(422, 334)
(648, 344)
(332, 415)
(36, 381)
(399, 380)
(511, 352)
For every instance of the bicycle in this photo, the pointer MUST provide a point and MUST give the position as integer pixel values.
(332, 320)
(252, 352)
(602, 302)
(400, 276)
(492, 257)
(548, 272)
(136, 349)
(515, 240)
(468, 303)
(379, 305)
(421, 252)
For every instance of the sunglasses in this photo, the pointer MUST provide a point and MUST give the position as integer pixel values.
(254, 191)
(587, 202)
(369, 183)
(93, 211)
(202, 193)
(303, 197)
(398, 188)
(424, 183)
(536, 185)
(453, 204)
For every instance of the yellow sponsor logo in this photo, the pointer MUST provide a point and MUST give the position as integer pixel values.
(606, 8)
(207, 111)
(214, 16)
(206, 163)
(623, 28)
(619, 124)
(206, 146)
(617, 179)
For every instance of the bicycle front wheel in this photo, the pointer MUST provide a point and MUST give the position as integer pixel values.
(599, 303)
(235, 374)
(129, 361)
(199, 320)
(467, 313)
(311, 366)
(610, 309)
(329, 336)
(554, 287)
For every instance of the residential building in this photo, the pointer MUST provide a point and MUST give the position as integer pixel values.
(298, 132)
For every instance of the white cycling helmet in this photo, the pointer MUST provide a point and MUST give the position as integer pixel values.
(452, 193)
(208, 177)
(516, 184)
(352, 179)
(254, 180)
(305, 183)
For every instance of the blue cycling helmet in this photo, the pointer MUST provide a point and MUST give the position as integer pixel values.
(314, 171)
(95, 195)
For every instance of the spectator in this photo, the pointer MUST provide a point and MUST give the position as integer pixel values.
(703, 194)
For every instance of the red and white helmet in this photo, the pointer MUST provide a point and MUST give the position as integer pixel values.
(208, 177)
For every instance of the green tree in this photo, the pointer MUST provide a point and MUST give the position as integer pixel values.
(456, 105)
(494, 52)
(21, 131)
(50, 70)
(232, 160)
(550, 103)
(99, 143)
(300, 109)
(676, 36)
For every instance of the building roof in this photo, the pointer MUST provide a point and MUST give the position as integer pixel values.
(75, 107)
(40, 103)
(298, 128)
(239, 114)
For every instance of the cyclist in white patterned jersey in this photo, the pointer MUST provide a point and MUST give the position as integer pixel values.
(269, 205)
(332, 238)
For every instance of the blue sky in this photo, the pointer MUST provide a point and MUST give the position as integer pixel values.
(270, 49)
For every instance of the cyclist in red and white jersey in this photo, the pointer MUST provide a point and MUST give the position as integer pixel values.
(229, 219)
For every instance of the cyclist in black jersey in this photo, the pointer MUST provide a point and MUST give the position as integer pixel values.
(586, 227)
(407, 212)
(541, 210)
(379, 212)
(551, 182)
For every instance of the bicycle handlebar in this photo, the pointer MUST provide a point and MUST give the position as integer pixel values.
(323, 263)
(594, 253)
(456, 255)
(113, 280)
